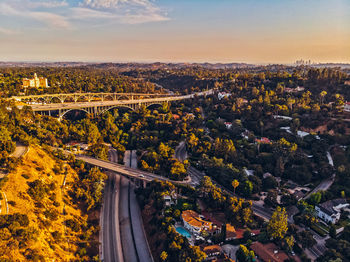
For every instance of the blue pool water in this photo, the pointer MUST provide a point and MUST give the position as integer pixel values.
(183, 232)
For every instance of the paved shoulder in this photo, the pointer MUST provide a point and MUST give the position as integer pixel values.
(138, 230)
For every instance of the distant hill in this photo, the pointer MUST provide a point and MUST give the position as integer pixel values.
(126, 66)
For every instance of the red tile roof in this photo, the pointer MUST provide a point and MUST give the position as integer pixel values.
(268, 252)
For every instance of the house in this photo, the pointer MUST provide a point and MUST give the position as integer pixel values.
(263, 140)
(294, 90)
(176, 117)
(230, 232)
(347, 107)
(194, 223)
(228, 125)
(221, 95)
(248, 172)
(330, 210)
(190, 115)
(266, 175)
(212, 251)
(240, 233)
(35, 82)
(268, 252)
(298, 194)
(170, 199)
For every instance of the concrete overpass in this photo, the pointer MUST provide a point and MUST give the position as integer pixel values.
(102, 105)
(131, 173)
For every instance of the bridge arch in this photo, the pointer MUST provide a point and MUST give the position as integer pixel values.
(116, 106)
(156, 104)
(109, 97)
(62, 114)
(83, 98)
(55, 99)
(123, 97)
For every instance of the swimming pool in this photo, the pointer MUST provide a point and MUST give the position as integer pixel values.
(183, 232)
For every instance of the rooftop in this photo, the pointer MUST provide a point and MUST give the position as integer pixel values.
(193, 219)
(328, 206)
(268, 252)
(212, 249)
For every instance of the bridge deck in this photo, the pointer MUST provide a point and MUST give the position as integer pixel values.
(126, 171)
(78, 105)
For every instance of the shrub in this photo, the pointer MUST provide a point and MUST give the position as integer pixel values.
(26, 176)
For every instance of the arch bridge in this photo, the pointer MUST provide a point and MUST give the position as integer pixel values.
(83, 97)
(97, 103)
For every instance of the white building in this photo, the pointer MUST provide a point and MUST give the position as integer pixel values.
(221, 95)
(330, 211)
(347, 107)
(193, 223)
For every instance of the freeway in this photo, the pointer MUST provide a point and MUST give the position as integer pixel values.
(110, 240)
(143, 252)
(126, 233)
(126, 171)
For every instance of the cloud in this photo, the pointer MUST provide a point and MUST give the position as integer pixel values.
(128, 11)
(7, 31)
(64, 14)
(50, 18)
(48, 4)
(87, 13)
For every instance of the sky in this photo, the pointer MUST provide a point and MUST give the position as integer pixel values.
(251, 31)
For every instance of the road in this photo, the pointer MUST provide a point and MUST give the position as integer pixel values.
(127, 171)
(261, 211)
(196, 175)
(130, 159)
(180, 151)
(257, 207)
(134, 241)
(126, 233)
(327, 183)
(111, 240)
(20, 150)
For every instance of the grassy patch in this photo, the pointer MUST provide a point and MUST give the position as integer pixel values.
(318, 230)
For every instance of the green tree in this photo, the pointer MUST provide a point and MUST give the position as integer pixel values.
(332, 231)
(315, 198)
(164, 256)
(290, 242)
(244, 255)
(235, 184)
(278, 224)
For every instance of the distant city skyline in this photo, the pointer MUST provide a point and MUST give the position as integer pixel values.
(250, 31)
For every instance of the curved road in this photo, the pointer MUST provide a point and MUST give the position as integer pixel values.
(19, 151)
(181, 152)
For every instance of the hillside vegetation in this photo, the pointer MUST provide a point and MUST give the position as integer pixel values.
(45, 222)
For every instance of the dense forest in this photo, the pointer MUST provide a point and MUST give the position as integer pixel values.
(277, 122)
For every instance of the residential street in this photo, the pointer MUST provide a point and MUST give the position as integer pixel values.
(20, 150)
(180, 151)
